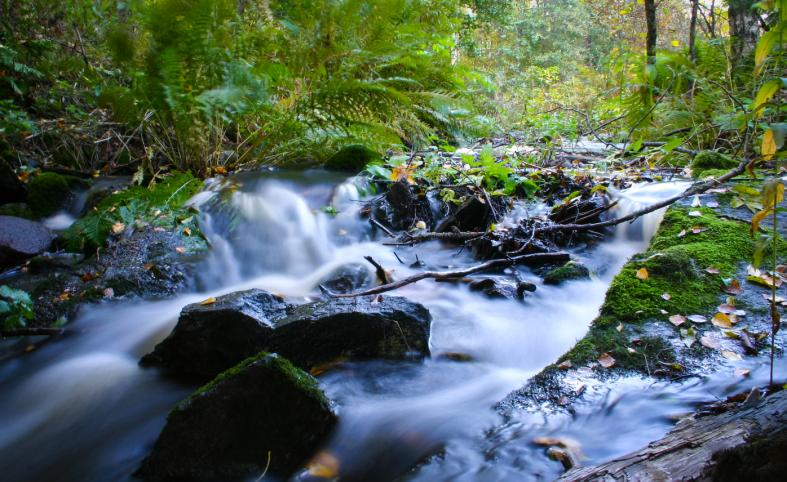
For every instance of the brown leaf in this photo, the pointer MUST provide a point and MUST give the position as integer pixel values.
(710, 342)
(180, 249)
(731, 355)
(324, 466)
(642, 274)
(606, 360)
(677, 320)
(565, 365)
(734, 288)
(118, 228)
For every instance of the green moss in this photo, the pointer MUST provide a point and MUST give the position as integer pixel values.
(159, 204)
(675, 261)
(707, 160)
(569, 271)
(302, 380)
(352, 158)
(19, 210)
(47, 192)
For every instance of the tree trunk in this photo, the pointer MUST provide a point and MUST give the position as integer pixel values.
(744, 31)
(652, 35)
(693, 30)
(691, 450)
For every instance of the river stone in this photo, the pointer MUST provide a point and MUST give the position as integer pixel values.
(568, 272)
(210, 338)
(402, 207)
(227, 429)
(21, 239)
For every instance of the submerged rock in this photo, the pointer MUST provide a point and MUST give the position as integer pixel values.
(347, 279)
(21, 239)
(263, 413)
(210, 338)
(568, 272)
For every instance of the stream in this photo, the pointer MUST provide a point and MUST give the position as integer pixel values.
(81, 409)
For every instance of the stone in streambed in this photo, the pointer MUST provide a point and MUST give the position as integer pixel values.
(568, 272)
(210, 338)
(21, 239)
(263, 409)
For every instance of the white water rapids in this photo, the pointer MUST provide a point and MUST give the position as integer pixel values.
(81, 409)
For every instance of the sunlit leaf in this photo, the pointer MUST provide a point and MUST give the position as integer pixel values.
(642, 274)
(606, 360)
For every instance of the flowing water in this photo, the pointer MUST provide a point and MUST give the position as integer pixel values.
(79, 408)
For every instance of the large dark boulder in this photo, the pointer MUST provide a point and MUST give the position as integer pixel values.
(210, 338)
(21, 239)
(227, 430)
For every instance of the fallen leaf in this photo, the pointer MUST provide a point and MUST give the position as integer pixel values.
(565, 365)
(642, 274)
(606, 360)
(695, 203)
(619, 327)
(742, 372)
(209, 301)
(731, 355)
(420, 225)
(697, 319)
(109, 293)
(324, 465)
(710, 342)
(663, 312)
(682, 233)
(180, 249)
(666, 296)
(698, 229)
(712, 204)
(677, 320)
(733, 288)
(695, 214)
(688, 336)
(721, 320)
(712, 270)
(187, 231)
(726, 308)
(147, 266)
(118, 228)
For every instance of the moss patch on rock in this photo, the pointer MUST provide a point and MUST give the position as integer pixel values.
(569, 271)
(707, 160)
(159, 205)
(352, 158)
(47, 193)
(676, 262)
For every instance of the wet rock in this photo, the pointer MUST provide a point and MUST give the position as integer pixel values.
(524, 287)
(21, 239)
(402, 207)
(352, 158)
(494, 288)
(568, 272)
(263, 409)
(472, 215)
(210, 338)
(579, 211)
(12, 190)
(347, 279)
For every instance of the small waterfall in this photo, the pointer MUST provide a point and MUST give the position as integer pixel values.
(638, 197)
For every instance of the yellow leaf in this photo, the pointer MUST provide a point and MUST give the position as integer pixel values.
(766, 92)
(676, 43)
(768, 148)
(757, 219)
(324, 466)
(721, 320)
(118, 228)
(209, 301)
(642, 274)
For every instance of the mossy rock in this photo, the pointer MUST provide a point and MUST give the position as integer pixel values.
(263, 414)
(568, 272)
(352, 158)
(711, 160)
(49, 191)
(18, 210)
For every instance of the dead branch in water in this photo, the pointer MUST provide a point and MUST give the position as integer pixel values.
(557, 257)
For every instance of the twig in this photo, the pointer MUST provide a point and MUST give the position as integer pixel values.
(447, 275)
(380, 271)
(381, 226)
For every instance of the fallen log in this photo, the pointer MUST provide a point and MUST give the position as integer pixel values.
(696, 449)
(559, 257)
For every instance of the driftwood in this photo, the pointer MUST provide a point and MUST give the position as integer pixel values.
(559, 257)
(690, 451)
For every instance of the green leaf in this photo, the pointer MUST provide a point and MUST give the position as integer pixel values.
(672, 144)
(764, 95)
(764, 48)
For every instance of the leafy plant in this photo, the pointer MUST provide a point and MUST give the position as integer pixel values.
(16, 308)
